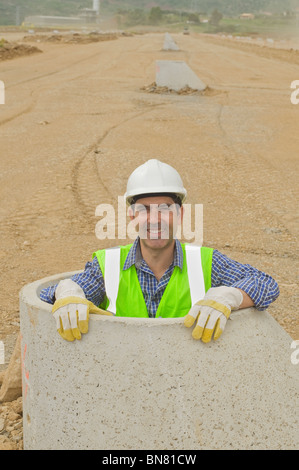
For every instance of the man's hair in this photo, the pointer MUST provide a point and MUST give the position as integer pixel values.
(176, 199)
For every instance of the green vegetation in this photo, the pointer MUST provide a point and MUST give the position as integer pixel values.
(260, 25)
(271, 16)
(215, 22)
(215, 17)
(11, 11)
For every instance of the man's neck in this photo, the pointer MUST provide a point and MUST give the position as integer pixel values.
(158, 260)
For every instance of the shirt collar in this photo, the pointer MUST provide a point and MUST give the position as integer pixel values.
(135, 257)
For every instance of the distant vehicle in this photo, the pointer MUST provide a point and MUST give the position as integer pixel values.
(186, 30)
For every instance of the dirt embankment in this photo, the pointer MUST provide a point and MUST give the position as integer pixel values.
(11, 50)
(290, 55)
(72, 38)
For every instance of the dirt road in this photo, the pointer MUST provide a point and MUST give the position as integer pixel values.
(76, 122)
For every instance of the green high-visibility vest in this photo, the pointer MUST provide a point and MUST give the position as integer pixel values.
(185, 287)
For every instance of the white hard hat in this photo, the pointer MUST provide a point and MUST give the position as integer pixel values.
(154, 177)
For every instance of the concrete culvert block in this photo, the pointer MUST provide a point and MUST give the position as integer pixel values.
(176, 75)
(169, 43)
(136, 383)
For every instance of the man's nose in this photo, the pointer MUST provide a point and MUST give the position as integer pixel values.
(154, 214)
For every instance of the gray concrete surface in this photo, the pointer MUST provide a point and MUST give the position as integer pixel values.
(169, 44)
(176, 75)
(146, 384)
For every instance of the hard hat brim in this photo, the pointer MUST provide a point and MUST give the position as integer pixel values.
(131, 195)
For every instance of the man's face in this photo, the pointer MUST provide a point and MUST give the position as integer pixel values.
(156, 218)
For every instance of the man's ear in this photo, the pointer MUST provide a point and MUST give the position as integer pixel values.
(182, 209)
(131, 213)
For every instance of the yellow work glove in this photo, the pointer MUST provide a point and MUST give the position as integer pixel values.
(213, 312)
(71, 310)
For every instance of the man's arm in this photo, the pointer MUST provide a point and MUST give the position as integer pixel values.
(247, 301)
(258, 288)
(90, 280)
(234, 286)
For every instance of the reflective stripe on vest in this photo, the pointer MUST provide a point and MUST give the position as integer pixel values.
(195, 273)
(112, 271)
(194, 269)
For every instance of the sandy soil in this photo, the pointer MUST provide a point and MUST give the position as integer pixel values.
(78, 118)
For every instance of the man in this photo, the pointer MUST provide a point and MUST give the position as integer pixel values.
(157, 276)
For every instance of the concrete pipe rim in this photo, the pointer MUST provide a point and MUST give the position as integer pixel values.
(29, 295)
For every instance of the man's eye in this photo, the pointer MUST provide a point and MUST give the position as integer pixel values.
(141, 209)
(164, 208)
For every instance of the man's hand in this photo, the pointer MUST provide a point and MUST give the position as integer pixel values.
(213, 312)
(71, 310)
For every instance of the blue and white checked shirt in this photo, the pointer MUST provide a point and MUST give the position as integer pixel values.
(260, 287)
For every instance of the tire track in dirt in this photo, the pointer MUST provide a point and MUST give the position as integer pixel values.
(88, 185)
(28, 108)
(25, 110)
(28, 220)
(55, 72)
(246, 164)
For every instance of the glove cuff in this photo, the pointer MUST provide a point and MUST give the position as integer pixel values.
(216, 306)
(229, 296)
(78, 300)
(69, 300)
(68, 288)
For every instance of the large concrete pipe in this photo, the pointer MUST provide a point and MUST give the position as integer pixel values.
(146, 384)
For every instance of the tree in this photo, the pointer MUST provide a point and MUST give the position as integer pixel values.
(216, 16)
(193, 17)
(155, 15)
(135, 17)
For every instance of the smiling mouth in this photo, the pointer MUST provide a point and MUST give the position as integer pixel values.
(154, 233)
(157, 233)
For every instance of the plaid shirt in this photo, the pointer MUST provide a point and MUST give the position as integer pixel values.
(260, 287)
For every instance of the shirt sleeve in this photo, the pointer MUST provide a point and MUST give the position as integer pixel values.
(260, 287)
(90, 280)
